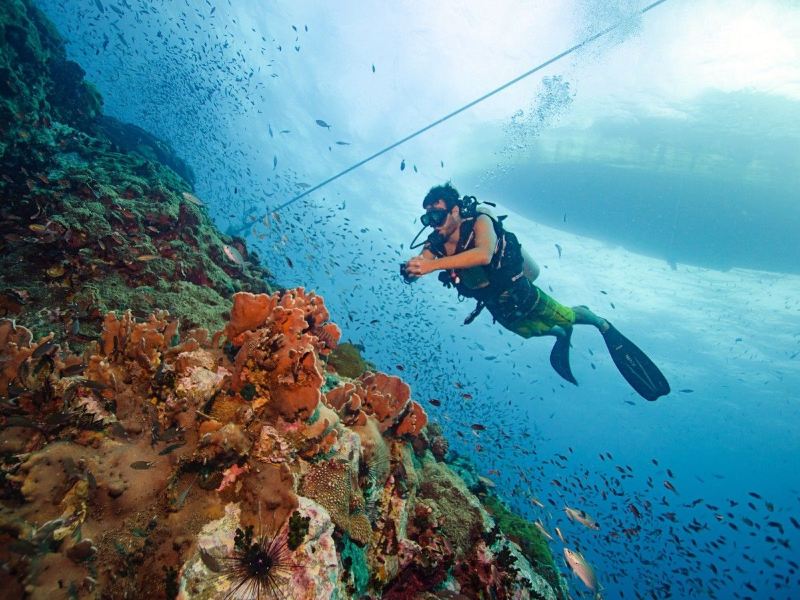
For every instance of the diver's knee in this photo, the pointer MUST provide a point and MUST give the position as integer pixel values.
(558, 331)
(584, 316)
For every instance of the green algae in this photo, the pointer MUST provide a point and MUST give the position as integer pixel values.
(298, 530)
(533, 544)
(195, 306)
(354, 560)
(348, 362)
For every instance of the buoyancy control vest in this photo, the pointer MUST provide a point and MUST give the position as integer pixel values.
(502, 272)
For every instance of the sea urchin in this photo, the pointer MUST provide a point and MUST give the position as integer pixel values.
(258, 566)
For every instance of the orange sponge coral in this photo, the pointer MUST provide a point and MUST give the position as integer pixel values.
(386, 397)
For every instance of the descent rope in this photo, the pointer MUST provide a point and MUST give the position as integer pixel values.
(557, 57)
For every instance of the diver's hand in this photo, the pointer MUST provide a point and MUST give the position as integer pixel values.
(419, 266)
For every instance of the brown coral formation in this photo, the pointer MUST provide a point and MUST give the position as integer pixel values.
(278, 362)
(253, 311)
(385, 397)
(333, 484)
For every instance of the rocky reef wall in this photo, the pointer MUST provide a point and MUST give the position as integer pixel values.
(228, 448)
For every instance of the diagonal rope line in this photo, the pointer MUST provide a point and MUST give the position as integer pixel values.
(557, 57)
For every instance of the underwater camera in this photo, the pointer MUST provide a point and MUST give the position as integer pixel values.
(407, 277)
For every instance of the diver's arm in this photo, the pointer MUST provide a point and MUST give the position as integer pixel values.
(529, 266)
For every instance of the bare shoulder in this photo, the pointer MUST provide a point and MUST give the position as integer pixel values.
(484, 222)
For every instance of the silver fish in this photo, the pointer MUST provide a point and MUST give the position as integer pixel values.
(581, 568)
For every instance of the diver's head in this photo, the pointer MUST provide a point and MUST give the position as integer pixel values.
(447, 193)
(442, 207)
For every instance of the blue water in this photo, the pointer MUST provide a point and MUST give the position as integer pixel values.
(665, 167)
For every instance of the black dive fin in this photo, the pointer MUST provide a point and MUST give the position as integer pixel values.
(635, 366)
(559, 357)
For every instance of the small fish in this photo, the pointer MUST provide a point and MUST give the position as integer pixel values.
(403, 165)
(170, 448)
(581, 568)
(435, 402)
(209, 561)
(274, 162)
(559, 250)
(193, 199)
(170, 434)
(45, 348)
(536, 501)
(686, 391)
(581, 517)
(45, 361)
(373, 68)
(97, 386)
(560, 535)
(486, 482)
(322, 123)
(269, 127)
(342, 143)
(182, 498)
(477, 427)
(670, 487)
(542, 530)
(141, 465)
(233, 254)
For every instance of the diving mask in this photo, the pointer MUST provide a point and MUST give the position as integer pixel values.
(434, 217)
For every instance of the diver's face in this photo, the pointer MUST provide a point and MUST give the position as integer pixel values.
(448, 226)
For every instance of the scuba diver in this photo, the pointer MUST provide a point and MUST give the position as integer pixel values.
(483, 261)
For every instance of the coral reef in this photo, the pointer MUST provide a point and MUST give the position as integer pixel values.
(216, 450)
(90, 225)
(153, 428)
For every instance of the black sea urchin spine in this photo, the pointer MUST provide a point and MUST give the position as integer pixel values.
(258, 567)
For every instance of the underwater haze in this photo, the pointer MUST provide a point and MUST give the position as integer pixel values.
(653, 174)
